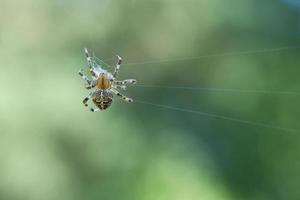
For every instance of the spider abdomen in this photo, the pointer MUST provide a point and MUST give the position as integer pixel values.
(103, 99)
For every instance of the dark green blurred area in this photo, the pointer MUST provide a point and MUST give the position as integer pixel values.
(52, 147)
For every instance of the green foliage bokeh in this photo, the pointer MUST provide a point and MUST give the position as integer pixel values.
(52, 147)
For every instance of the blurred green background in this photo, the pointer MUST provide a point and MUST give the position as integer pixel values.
(52, 147)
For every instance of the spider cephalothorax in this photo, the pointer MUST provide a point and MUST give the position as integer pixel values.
(104, 84)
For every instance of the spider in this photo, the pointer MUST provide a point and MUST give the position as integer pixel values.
(104, 84)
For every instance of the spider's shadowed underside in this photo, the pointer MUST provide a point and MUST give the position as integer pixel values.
(104, 84)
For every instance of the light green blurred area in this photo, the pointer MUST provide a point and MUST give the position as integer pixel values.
(52, 147)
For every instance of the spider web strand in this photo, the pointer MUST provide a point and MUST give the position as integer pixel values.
(215, 55)
(96, 59)
(257, 124)
(219, 89)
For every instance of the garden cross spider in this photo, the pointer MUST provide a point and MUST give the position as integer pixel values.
(104, 84)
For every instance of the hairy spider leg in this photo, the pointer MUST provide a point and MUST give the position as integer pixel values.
(90, 84)
(84, 77)
(86, 99)
(123, 97)
(123, 87)
(90, 62)
(117, 68)
(95, 109)
(126, 82)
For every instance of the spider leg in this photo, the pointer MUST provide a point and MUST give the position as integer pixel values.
(86, 99)
(117, 68)
(95, 109)
(89, 84)
(123, 87)
(129, 100)
(126, 82)
(90, 62)
(84, 77)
